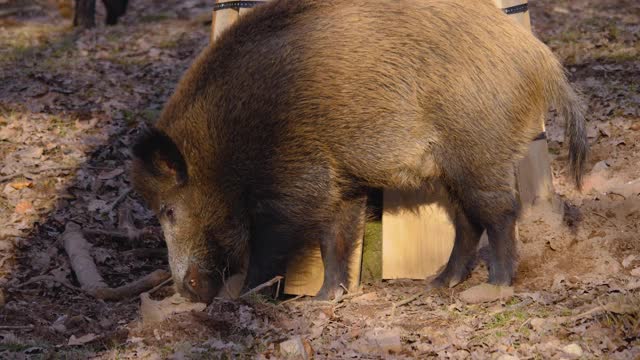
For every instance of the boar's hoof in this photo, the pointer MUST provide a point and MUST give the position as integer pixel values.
(444, 281)
(329, 293)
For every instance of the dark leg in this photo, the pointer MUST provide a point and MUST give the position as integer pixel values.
(496, 209)
(463, 256)
(115, 9)
(503, 251)
(270, 246)
(338, 245)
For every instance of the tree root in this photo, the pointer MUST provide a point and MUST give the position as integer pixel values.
(79, 251)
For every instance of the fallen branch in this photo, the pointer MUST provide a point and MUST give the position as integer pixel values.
(133, 289)
(79, 251)
(26, 174)
(276, 279)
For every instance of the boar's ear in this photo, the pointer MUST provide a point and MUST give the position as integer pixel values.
(158, 154)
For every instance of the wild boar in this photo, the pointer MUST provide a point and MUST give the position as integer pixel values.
(279, 128)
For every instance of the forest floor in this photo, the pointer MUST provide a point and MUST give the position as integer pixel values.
(71, 102)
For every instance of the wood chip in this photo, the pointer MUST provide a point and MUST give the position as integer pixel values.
(486, 293)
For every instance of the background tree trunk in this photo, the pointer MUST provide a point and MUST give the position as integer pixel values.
(85, 14)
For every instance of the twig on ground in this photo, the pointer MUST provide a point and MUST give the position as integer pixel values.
(126, 229)
(345, 288)
(35, 171)
(146, 253)
(406, 301)
(159, 286)
(16, 327)
(135, 288)
(409, 300)
(4, 259)
(351, 295)
(606, 218)
(276, 279)
(524, 323)
(117, 201)
(16, 10)
(125, 222)
(39, 278)
(291, 300)
(113, 233)
(614, 307)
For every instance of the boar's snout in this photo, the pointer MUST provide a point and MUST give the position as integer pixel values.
(199, 285)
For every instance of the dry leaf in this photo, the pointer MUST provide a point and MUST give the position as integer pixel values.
(110, 174)
(24, 206)
(73, 341)
(19, 185)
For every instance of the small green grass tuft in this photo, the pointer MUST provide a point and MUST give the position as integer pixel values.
(372, 252)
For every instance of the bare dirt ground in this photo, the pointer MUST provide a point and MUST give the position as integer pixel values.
(70, 104)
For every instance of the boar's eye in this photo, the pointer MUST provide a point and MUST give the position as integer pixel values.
(167, 212)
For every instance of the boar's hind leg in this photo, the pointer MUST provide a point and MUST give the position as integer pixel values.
(495, 208)
(338, 244)
(463, 256)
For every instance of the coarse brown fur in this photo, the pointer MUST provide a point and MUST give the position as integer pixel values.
(301, 106)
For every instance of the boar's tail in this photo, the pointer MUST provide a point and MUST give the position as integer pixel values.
(570, 106)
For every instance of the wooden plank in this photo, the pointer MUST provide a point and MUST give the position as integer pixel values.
(416, 242)
(533, 175)
(221, 20)
(523, 18)
(306, 274)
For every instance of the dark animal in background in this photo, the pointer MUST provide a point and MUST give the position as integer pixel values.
(115, 9)
(84, 11)
(277, 131)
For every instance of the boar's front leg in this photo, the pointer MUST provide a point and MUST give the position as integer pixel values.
(338, 243)
(272, 241)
